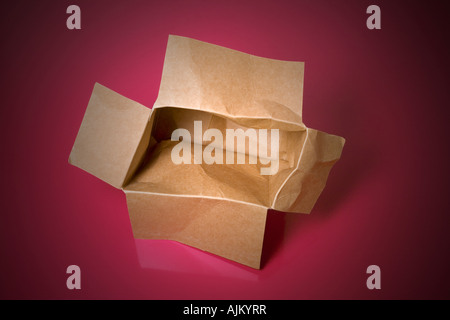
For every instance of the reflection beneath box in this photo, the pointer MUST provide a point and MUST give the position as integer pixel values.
(176, 257)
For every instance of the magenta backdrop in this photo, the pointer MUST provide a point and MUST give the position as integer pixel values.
(386, 203)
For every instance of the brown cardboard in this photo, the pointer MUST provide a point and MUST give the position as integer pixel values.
(198, 75)
(219, 208)
(229, 229)
(109, 136)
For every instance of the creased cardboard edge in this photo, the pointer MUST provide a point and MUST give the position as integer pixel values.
(292, 172)
(300, 126)
(196, 196)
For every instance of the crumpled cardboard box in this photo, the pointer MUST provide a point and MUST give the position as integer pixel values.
(219, 208)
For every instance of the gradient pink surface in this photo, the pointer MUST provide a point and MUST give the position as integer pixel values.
(386, 201)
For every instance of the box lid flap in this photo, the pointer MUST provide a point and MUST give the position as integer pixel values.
(109, 135)
(199, 75)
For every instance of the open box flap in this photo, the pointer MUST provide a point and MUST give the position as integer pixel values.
(303, 186)
(203, 76)
(110, 136)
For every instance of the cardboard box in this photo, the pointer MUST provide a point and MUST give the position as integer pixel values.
(219, 208)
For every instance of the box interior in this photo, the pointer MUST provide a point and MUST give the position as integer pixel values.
(157, 173)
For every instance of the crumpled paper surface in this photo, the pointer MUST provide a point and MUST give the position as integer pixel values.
(220, 208)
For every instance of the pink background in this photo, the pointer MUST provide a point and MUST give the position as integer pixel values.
(386, 202)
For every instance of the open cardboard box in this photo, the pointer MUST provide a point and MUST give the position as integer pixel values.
(219, 208)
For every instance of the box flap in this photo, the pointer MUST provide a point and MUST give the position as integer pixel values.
(199, 75)
(302, 188)
(109, 135)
